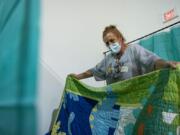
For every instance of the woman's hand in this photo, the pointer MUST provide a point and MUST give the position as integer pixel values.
(172, 64)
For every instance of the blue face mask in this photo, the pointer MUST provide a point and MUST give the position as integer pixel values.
(115, 47)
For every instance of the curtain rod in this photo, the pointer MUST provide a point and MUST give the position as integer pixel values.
(153, 32)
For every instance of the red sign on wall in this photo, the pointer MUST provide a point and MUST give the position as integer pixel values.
(169, 15)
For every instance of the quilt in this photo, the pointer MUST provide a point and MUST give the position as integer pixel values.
(143, 105)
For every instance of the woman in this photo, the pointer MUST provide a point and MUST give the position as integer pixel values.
(124, 61)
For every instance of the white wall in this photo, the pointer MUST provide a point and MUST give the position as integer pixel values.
(50, 91)
(71, 38)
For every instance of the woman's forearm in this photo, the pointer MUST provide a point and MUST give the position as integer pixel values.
(165, 64)
(84, 75)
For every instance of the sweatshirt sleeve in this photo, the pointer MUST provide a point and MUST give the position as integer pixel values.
(99, 71)
(145, 58)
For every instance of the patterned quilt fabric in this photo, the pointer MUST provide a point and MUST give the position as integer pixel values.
(144, 105)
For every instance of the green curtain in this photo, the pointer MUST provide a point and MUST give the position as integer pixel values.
(164, 44)
(19, 20)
